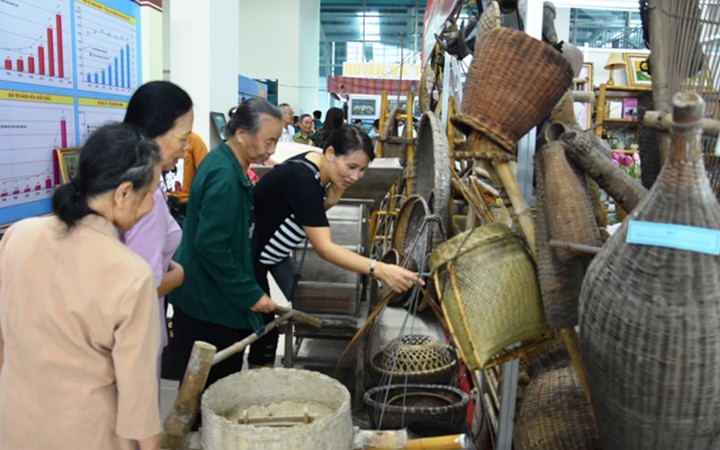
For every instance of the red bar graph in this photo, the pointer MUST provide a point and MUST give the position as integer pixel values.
(41, 60)
(54, 46)
(58, 30)
(63, 133)
(51, 55)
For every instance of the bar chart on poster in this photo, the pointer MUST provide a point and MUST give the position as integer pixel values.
(36, 43)
(68, 67)
(31, 124)
(106, 49)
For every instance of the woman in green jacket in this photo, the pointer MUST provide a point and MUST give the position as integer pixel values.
(220, 302)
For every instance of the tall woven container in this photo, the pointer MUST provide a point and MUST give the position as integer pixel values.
(512, 84)
(650, 315)
(489, 293)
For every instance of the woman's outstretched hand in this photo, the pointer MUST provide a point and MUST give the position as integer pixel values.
(397, 278)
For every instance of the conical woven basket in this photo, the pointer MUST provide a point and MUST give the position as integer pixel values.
(513, 83)
(560, 281)
(416, 359)
(650, 315)
(555, 415)
(489, 293)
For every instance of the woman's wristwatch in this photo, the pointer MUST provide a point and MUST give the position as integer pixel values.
(371, 268)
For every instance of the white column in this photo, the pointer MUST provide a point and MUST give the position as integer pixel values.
(204, 55)
(280, 39)
(151, 38)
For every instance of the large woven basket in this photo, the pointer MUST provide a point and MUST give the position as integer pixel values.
(489, 293)
(397, 405)
(649, 315)
(416, 359)
(414, 236)
(513, 83)
(555, 415)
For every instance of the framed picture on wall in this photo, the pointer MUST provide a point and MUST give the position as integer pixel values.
(583, 111)
(219, 123)
(363, 108)
(636, 69)
(66, 162)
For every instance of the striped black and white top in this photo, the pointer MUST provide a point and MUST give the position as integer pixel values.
(287, 198)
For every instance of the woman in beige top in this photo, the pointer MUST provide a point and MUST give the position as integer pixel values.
(79, 326)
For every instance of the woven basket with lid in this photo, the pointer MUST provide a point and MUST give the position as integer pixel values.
(415, 358)
(650, 317)
(489, 293)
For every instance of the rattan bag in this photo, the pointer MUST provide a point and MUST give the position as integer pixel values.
(489, 293)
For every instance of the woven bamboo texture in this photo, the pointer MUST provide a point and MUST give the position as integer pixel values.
(489, 20)
(570, 214)
(560, 281)
(415, 359)
(592, 155)
(410, 239)
(489, 293)
(396, 405)
(431, 174)
(649, 317)
(554, 414)
(513, 83)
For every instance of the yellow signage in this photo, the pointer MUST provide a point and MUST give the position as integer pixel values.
(381, 70)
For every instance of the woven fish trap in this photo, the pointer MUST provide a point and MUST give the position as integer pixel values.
(431, 168)
(416, 359)
(489, 20)
(571, 217)
(489, 294)
(513, 83)
(649, 317)
(554, 414)
(560, 281)
(396, 405)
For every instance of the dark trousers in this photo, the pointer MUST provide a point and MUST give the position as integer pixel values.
(262, 352)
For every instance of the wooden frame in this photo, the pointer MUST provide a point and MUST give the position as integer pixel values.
(66, 162)
(583, 111)
(636, 69)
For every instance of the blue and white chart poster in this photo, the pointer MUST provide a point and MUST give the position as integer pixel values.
(68, 66)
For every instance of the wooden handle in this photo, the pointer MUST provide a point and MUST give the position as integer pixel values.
(456, 441)
(300, 317)
(187, 402)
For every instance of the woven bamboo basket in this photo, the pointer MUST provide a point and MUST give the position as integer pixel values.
(649, 316)
(396, 405)
(415, 359)
(410, 239)
(513, 83)
(560, 281)
(489, 293)
(570, 215)
(431, 169)
(554, 414)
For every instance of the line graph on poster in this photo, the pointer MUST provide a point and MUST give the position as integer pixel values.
(36, 45)
(106, 49)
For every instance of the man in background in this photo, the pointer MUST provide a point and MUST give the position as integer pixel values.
(306, 127)
(287, 122)
(317, 122)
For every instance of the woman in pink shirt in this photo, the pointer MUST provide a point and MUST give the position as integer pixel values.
(164, 113)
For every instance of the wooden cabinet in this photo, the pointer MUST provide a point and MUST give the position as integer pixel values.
(616, 114)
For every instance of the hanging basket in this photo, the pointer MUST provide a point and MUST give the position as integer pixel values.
(513, 83)
(395, 406)
(415, 359)
(489, 293)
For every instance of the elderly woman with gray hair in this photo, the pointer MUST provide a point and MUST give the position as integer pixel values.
(220, 302)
